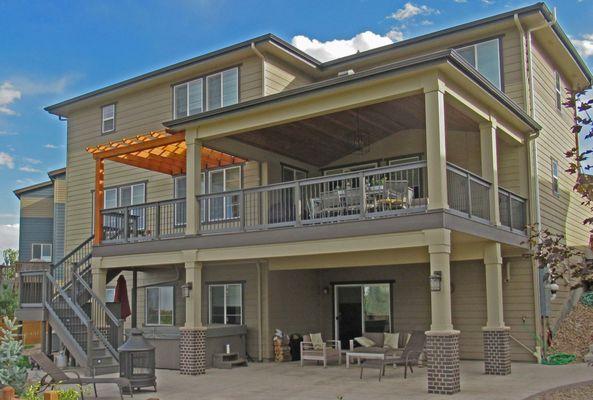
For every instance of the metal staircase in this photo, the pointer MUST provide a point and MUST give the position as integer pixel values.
(84, 324)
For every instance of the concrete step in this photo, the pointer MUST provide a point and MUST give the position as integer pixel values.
(106, 369)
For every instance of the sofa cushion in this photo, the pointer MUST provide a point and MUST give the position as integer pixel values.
(376, 337)
(365, 341)
(391, 340)
(317, 341)
(372, 349)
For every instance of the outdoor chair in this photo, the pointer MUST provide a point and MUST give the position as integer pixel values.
(412, 352)
(331, 203)
(56, 376)
(325, 351)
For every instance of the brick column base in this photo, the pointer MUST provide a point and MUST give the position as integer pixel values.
(192, 351)
(497, 351)
(442, 351)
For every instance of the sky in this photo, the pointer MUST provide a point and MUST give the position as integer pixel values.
(51, 51)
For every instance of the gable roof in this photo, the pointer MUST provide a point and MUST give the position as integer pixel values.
(300, 55)
(19, 192)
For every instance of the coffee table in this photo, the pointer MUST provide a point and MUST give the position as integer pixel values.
(367, 356)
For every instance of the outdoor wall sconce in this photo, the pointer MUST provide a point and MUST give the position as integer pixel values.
(435, 281)
(326, 290)
(186, 289)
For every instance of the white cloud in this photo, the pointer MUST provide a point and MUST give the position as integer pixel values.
(30, 169)
(336, 48)
(32, 160)
(584, 45)
(411, 10)
(9, 236)
(8, 95)
(6, 160)
(8, 133)
(395, 35)
(30, 86)
(50, 146)
(460, 1)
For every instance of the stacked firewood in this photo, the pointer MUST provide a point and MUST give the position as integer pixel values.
(281, 349)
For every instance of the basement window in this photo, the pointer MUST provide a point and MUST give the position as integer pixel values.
(485, 57)
(226, 303)
(159, 305)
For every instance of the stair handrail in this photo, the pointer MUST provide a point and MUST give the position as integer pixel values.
(77, 310)
(113, 319)
(71, 253)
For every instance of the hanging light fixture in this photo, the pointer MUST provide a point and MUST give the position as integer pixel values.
(360, 138)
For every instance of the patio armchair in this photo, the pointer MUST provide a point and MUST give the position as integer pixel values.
(412, 352)
(326, 351)
(56, 376)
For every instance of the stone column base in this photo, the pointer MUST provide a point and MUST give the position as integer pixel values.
(497, 351)
(192, 351)
(442, 351)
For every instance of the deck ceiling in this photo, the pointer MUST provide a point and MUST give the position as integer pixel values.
(159, 151)
(327, 138)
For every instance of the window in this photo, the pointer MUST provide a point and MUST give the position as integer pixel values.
(226, 303)
(41, 252)
(159, 305)
(555, 180)
(222, 89)
(485, 57)
(224, 180)
(352, 182)
(179, 191)
(108, 118)
(290, 174)
(558, 92)
(109, 295)
(414, 177)
(123, 196)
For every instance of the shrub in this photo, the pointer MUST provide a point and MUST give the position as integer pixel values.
(12, 371)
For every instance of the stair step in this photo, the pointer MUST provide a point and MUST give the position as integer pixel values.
(104, 360)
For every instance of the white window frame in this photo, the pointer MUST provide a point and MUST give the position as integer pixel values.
(103, 119)
(555, 177)
(118, 190)
(350, 168)
(160, 289)
(205, 89)
(294, 171)
(225, 286)
(475, 48)
(109, 294)
(42, 246)
(225, 198)
(558, 89)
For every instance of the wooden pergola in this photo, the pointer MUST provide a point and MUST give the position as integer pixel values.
(159, 151)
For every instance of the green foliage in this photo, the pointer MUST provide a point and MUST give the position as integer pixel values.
(9, 300)
(10, 256)
(12, 373)
(33, 392)
(68, 394)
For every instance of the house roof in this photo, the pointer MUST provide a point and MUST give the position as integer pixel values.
(298, 54)
(450, 56)
(56, 172)
(19, 192)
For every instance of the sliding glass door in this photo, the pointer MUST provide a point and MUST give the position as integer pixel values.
(360, 308)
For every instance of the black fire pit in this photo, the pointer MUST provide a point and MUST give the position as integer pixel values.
(137, 361)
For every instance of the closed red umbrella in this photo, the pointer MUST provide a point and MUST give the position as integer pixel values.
(121, 296)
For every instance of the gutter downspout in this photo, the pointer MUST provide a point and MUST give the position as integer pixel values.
(263, 68)
(532, 154)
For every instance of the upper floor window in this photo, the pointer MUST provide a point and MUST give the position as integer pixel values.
(485, 57)
(290, 174)
(108, 118)
(555, 178)
(558, 91)
(126, 195)
(41, 252)
(222, 89)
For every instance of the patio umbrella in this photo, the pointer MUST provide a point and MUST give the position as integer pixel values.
(121, 296)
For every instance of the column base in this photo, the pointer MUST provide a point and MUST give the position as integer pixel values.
(442, 351)
(192, 351)
(497, 351)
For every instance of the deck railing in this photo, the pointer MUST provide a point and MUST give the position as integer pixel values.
(367, 194)
(513, 210)
(31, 288)
(146, 221)
(468, 193)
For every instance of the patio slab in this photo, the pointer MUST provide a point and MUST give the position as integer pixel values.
(290, 381)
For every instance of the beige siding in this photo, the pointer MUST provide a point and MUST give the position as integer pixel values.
(562, 213)
(37, 207)
(281, 76)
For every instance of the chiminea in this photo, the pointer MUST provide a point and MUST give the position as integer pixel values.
(136, 361)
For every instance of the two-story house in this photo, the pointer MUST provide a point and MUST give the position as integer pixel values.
(255, 188)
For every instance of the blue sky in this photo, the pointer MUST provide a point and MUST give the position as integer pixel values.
(50, 51)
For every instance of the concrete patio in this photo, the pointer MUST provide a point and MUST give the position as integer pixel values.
(290, 381)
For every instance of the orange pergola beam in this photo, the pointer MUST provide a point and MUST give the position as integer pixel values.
(99, 195)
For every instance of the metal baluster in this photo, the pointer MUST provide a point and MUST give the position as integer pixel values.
(297, 204)
(363, 195)
(469, 195)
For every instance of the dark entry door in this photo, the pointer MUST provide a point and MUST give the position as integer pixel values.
(348, 313)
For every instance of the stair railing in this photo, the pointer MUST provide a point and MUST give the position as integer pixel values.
(62, 270)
